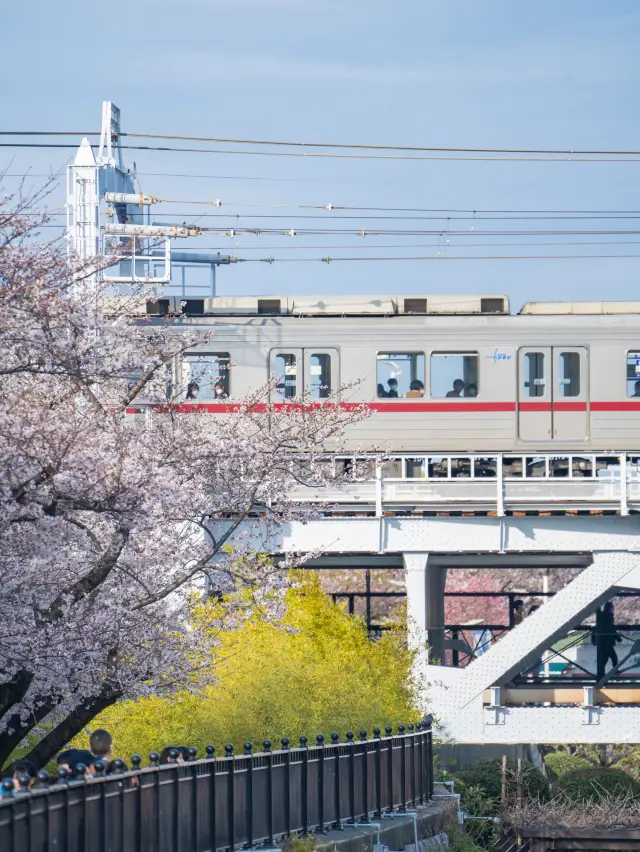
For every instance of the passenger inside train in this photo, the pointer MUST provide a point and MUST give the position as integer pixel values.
(458, 387)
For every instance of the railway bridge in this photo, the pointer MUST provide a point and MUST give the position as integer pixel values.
(550, 511)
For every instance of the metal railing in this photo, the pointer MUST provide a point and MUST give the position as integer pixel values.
(495, 483)
(225, 802)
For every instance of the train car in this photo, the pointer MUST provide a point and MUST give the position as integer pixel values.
(441, 373)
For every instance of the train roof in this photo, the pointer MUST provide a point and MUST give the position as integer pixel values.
(360, 306)
(580, 308)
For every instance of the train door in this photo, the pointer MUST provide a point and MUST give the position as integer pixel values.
(320, 372)
(535, 421)
(552, 394)
(570, 394)
(313, 370)
(287, 367)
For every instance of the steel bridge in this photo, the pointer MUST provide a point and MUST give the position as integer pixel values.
(533, 682)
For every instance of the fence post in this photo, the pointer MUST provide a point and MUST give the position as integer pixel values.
(136, 763)
(412, 763)
(365, 780)
(428, 722)
(266, 746)
(335, 737)
(154, 761)
(287, 785)
(211, 755)
(248, 753)
(320, 746)
(231, 795)
(389, 732)
(378, 771)
(352, 778)
(193, 754)
(403, 768)
(304, 794)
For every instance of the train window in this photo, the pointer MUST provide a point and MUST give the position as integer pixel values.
(400, 374)
(415, 468)
(570, 374)
(454, 374)
(320, 375)
(207, 376)
(633, 373)
(534, 378)
(286, 370)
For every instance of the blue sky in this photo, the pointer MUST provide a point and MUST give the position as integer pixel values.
(490, 74)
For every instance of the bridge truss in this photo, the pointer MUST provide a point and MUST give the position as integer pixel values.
(537, 681)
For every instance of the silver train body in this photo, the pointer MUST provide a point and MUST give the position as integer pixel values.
(442, 374)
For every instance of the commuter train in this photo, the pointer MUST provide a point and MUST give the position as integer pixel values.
(441, 373)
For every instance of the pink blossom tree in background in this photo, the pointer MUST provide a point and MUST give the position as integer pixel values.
(106, 516)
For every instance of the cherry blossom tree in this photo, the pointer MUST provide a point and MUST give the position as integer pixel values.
(106, 513)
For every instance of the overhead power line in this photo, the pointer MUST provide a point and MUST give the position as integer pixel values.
(439, 258)
(606, 157)
(340, 145)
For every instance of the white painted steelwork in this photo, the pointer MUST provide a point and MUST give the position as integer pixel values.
(497, 483)
(148, 264)
(82, 205)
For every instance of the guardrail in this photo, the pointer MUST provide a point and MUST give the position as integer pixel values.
(222, 803)
(496, 483)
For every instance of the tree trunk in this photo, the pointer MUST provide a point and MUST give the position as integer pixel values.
(69, 727)
(13, 691)
(17, 728)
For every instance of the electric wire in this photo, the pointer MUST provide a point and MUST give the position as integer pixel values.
(341, 145)
(439, 258)
(332, 155)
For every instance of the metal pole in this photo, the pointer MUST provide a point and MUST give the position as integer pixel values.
(403, 768)
(378, 771)
(388, 730)
(320, 746)
(212, 796)
(305, 785)
(248, 753)
(412, 763)
(287, 786)
(365, 774)
(266, 745)
(352, 792)
(231, 796)
(336, 788)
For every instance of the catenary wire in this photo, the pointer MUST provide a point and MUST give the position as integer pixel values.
(329, 260)
(345, 145)
(317, 154)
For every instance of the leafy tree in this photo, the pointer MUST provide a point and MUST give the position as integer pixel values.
(108, 516)
(314, 671)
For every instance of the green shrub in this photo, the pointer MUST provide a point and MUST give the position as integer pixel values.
(590, 782)
(461, 841)
(560, 762)
(487, 774)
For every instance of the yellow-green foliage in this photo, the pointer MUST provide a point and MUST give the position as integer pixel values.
(314, 672)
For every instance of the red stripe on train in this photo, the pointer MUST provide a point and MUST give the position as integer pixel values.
(626, 405)
(409, 407)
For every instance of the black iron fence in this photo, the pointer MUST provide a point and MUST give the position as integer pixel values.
(225, 802)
